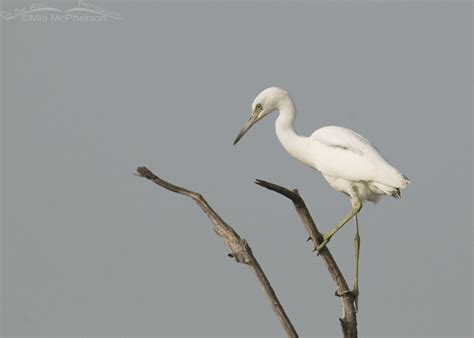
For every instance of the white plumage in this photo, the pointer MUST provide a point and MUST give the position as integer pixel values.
(347, 160)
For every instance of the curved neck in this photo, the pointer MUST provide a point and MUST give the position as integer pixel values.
(293, 143)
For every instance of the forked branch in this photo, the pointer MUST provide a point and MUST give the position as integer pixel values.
(349, 313)
(239, 248)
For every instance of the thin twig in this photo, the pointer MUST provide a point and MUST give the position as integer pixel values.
(239, 248)
(349, 313)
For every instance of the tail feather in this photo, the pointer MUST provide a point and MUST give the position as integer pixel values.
(387, 189)
(397, 193)
(384, 189)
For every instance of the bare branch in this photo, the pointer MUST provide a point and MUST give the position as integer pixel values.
(349, 313)
(239, 248)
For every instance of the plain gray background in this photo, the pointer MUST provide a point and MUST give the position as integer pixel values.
(90, 249)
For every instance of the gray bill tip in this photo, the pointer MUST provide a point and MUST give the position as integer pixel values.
(237, 139)
(250, 122)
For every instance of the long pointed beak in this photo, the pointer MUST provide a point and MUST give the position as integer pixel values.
(251, 121)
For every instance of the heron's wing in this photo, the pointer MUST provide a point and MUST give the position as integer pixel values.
(343, 153)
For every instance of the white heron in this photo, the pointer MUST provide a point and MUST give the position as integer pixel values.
(347, 160)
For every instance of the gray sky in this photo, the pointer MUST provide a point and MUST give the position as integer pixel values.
(90, 249)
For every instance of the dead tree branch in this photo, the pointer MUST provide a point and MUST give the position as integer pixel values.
(349, 313)
(239, 248)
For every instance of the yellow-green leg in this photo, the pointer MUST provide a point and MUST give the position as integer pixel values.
(355, 290)
(356, 206)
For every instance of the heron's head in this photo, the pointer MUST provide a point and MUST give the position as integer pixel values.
(268, 101)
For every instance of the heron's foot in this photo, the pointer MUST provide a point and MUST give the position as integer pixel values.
(326, 239)
(355, 293)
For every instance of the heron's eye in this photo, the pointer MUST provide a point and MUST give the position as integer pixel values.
(259, 106)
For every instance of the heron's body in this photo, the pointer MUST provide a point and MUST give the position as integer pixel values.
(348, 161)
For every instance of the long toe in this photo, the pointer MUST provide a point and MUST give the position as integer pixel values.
(321, 246)
(355, 293)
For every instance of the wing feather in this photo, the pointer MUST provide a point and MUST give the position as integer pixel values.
(342, 153)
